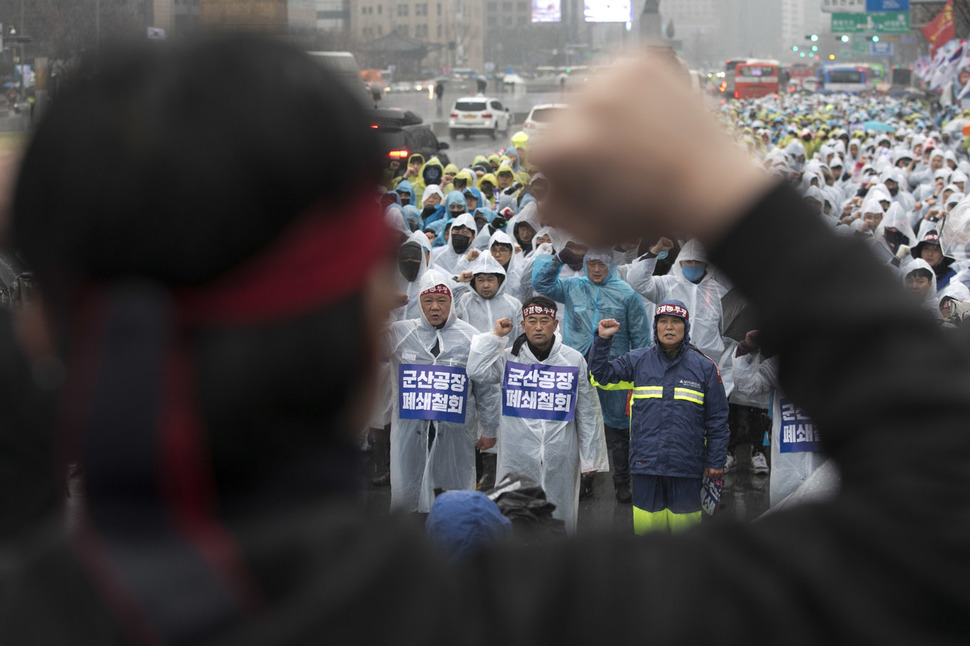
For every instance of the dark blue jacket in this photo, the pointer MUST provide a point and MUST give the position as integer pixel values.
(678, 412)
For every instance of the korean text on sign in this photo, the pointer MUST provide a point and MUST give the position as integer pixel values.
(538, 391)
(436, 393)
(798, 432)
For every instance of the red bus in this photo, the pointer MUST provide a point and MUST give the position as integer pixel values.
(726, 86)
(799, 71)
(754, 79)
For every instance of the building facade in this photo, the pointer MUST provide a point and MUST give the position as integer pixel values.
(800, 18)
(454, 29)
(333, 16)
(278, 17)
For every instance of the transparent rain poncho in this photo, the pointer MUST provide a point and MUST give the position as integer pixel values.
(449, 463)
(481, 312)
(554, 453)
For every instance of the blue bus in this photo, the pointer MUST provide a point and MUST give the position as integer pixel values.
(846, 77)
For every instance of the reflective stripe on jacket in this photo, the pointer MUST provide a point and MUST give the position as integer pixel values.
(678, 409)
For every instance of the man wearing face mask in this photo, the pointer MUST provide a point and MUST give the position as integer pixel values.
(487, 221)
(405, 191)
(462, 234)
(453, 207)
(412, 262)
(690, 282)
(437, 408)
(599, 295)
(432, 173)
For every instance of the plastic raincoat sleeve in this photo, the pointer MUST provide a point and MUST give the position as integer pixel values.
(638, 321)
(486, 359)
(488, 403)
(545, 278)
(486, 365)
(641, 279)
(589, 426)
(609, 375)
(439, 214)
(753, 377)
(525, 278)
(464, 264)
(716, 422)
(458, 289)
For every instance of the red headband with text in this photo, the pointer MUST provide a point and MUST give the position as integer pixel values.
(538, 310)
(437, 289)
(673, 310)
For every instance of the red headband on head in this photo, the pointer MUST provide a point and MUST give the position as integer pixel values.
(538, 310)
(437, 289)
(673, 310)
(305, 268)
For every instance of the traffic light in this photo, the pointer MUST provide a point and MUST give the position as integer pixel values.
(814, 38)
(794, 48)
(875, 39)
(814, 48)
(844, 38)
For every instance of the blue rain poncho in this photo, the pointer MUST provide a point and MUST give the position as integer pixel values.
(586, 304)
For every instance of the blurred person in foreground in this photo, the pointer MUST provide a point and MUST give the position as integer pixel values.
(216, 381)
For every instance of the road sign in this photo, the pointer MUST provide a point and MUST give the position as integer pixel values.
(887, 5)
(881, 49)
(858, 48)
(844, 6)
(880, 23)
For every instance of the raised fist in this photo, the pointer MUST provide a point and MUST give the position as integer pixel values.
(502, 327)
(466, 276)
(472, 255)
(608, 327)
(664, 244)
